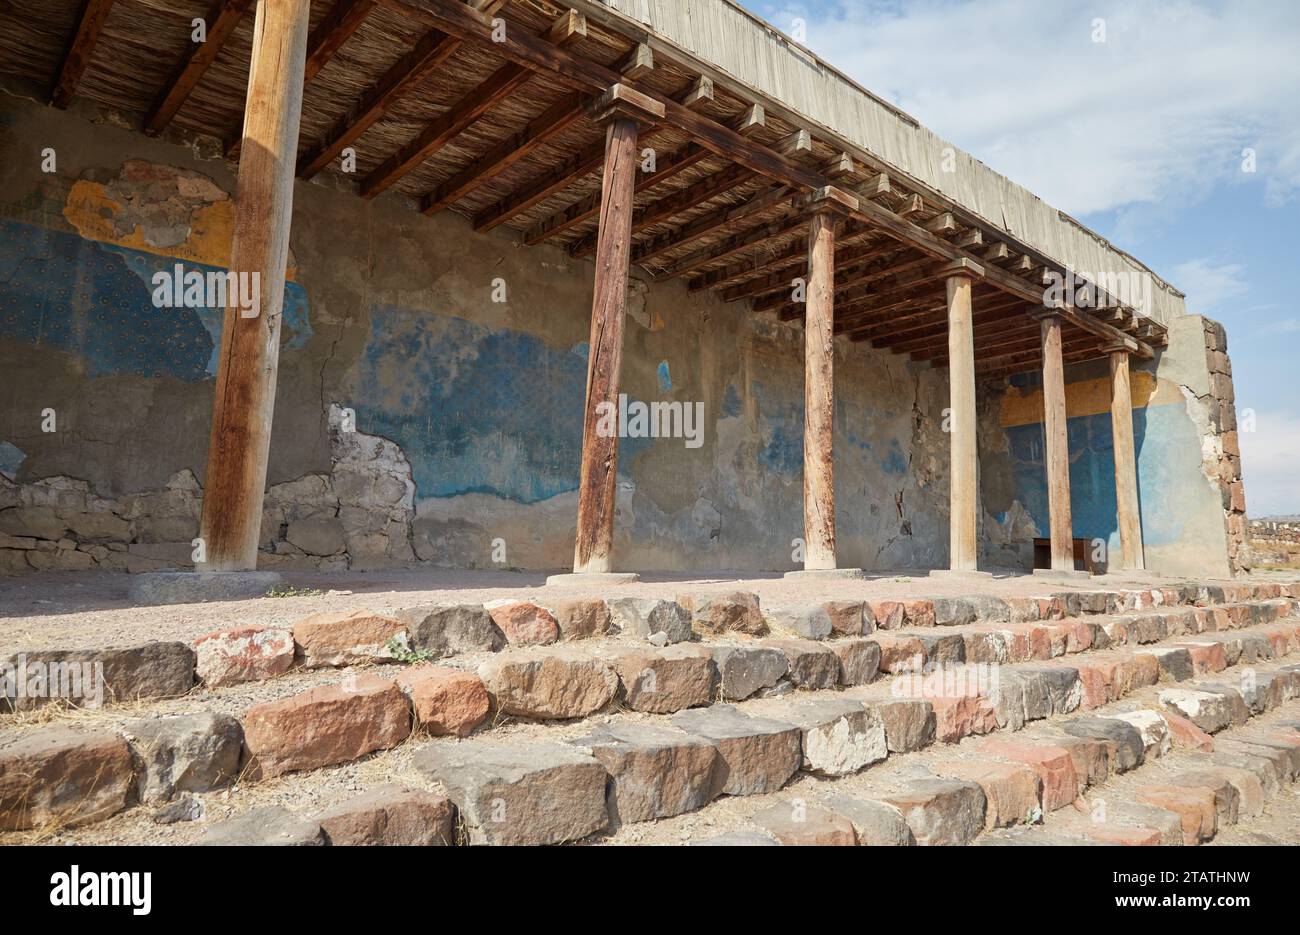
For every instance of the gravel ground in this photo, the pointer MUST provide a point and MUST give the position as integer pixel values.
(86, 610)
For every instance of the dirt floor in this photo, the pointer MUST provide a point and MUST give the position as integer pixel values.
(88, 610)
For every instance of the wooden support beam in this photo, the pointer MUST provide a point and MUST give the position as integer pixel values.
(221, 22)
(1015, 332)
(734, 244)
(244, 399)
(707, 224)
(77, 58)
(1126, 487)
(867, 297)
(963, 472)
(457, 19)
(597, 484)
(343, 19)
(1073, 347)
(639, 63)
(819, 395)
(701, 93)
(997, 252)
(912, 204)
(433, 49)
(770, 263)
(905, 335)
(586, 208)
(692, 196)
(875, 187)
(518, 146)
(928, 322)
(578, 165)
(1072, 351)
(847, 262)
(1026, 349)
(754, 117)
(941, 224)
(840, 169)
(503, 82)
(1057, 448)
(798, 143)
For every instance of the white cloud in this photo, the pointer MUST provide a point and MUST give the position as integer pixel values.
(1161, 110)
(1269, 457)
(1207, 283)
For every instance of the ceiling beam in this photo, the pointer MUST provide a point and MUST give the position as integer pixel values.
(725, 216)
(221, 23)
(852, 301)
(1029, 352)
(575, 167)
(921, 329)
(513, 149)
(679, 202)
(77, 58)
(456, 18)
(760, 264)
(343, 19)
(797, 254)
(765, 265)
(735, 244)
(433, 49)
(991, 372)
(450, 124)
(886, 330)
(588, 206)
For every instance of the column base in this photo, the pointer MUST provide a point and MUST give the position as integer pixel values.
(832, 574)
(195, 587)
(585, 578)
(1138, 574)
(1064, 574)
(960, 573)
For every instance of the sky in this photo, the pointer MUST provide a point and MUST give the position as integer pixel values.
(1135, 117)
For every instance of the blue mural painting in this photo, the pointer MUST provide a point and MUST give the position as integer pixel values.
(95, 301)
(781, 425)
(1163, 435)
(476, 410)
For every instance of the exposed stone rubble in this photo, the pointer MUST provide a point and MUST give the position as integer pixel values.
(357, 516)
(1221, 449)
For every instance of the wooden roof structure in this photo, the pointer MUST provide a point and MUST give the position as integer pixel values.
(482, 107)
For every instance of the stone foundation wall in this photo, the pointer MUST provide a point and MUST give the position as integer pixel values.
(1220, 447)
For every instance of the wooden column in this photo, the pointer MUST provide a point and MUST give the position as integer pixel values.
(1126, 494)
(964, 468)
(1057, 454)
(245, 387)
(819, 396)
(619, 108)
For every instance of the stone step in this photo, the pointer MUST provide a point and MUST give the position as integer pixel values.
(1184, 796)
(248, 652)
(759, 747)
(999, 791)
